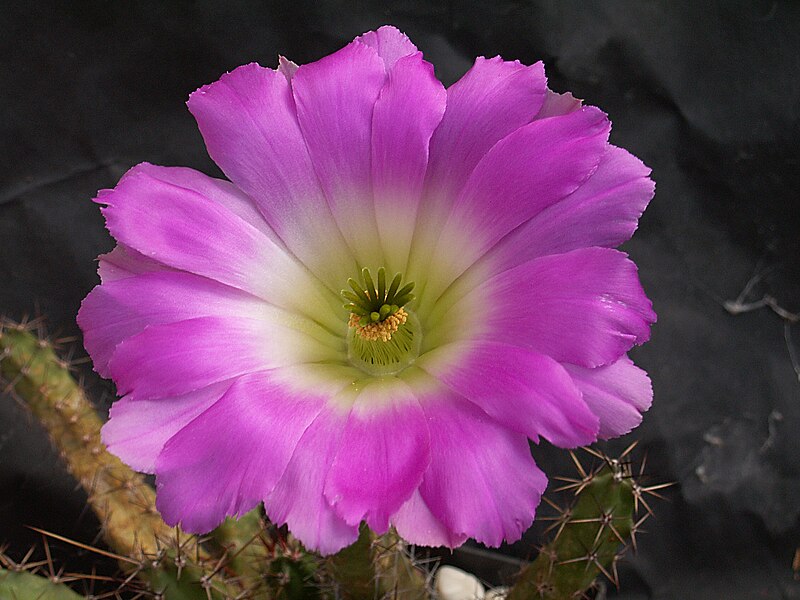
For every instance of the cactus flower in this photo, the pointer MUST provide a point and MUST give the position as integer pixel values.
(399, 286)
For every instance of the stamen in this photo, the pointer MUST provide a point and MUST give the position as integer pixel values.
(377, 313)
(379, 329)
(384, 347)
(384, 337)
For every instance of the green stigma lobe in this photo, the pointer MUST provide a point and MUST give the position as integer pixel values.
(405, 290)
(371, 291)
(393, 286)
(375, 303)
(382, 283)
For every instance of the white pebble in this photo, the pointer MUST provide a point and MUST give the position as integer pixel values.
(454, 584)
(498, 593)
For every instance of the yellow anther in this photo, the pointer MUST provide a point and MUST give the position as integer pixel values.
(382, 330)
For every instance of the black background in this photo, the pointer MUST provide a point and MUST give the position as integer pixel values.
(708, 95)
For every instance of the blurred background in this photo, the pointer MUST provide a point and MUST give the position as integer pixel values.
(707, 94)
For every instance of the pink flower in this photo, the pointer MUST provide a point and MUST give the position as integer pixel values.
(245, 380)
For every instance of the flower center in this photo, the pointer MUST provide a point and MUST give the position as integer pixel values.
(384, 337)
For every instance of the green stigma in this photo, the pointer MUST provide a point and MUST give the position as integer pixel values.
(371, 303)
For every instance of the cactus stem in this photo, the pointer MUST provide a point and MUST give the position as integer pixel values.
(40, 381)
(123, 502)
(588, 533)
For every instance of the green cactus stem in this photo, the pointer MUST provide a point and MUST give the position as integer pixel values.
(22, 585)
(158, 555)
(120, 498)
(354, 568)
(294, 576)
(186, 579)
(588, 539)
(242, 540)
(377, 567)
(399, 576)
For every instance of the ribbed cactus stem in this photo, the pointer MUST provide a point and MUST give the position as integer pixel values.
(246, 553)
(353, 568)
(165, 560)
(120, 498)
(293, 575)
(587, 541)
(23, 585)
(376, 567)
(186, 580)
(398, 576)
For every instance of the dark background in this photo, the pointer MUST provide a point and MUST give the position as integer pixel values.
(707, 94)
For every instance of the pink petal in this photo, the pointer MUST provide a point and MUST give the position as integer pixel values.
(585, 307)
(618, 393)
(287, 67)
(173, 224)
(492, 99)
(298, 498)
(556, 105)
(521, 390)
(175, 358)
(230, 457)
(604, 211)
(382, 455)
(482, 481)
(527, 171)
(335, 98)
(416, 525)
(390, 43)
(122, 308)
(124, 262)
(138, 429)
(250, 127)
(219, 191)
(408, 110)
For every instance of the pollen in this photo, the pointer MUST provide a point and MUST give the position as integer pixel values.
(380, 330)
(376, 309)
